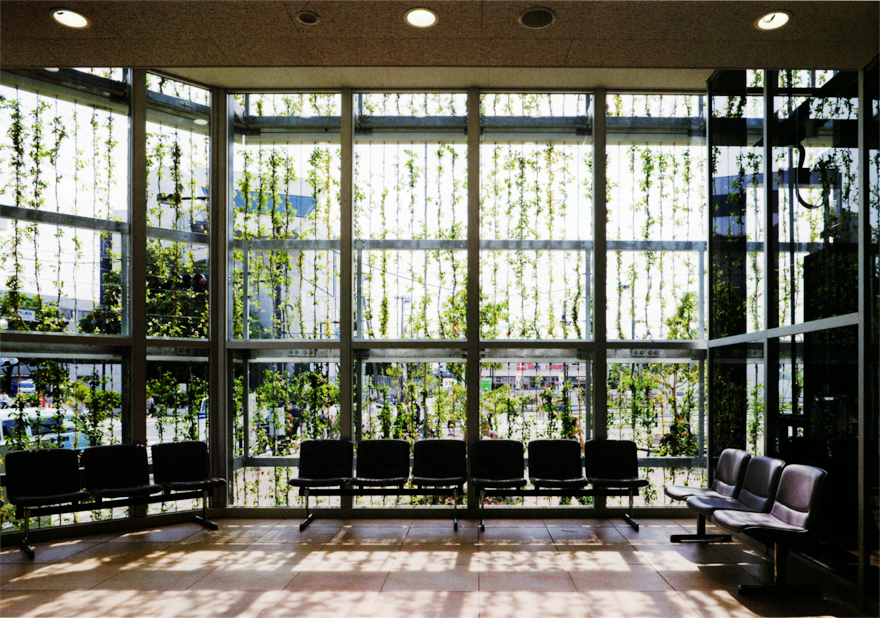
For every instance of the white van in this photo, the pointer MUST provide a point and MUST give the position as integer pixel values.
(42, 424)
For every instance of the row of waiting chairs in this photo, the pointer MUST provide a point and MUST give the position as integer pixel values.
(761, 497)
(111, 475)
(555, 466)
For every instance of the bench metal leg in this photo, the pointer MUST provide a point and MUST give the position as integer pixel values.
(700, 536)
(24, 545)
(627, 517)
(779, 587)
(482, 504)
(203, 518)
(455, 508)
(310, 517)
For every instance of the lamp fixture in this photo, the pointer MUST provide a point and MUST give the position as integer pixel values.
(536, 18)
(421, 18)
(201, 122)
(71, 19)
(772, 21)
(307, 18)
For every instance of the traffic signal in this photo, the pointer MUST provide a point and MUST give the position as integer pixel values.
(197, 282)
(200, 282)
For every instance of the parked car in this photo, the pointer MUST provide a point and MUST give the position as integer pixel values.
(41, 427)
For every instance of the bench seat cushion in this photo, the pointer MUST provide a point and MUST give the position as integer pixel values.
(560, 483)
(708, 504)
(331, 482)
(29, 501)
(381, 482)
(138, 491)
(449, 481)
(747, 521)
(500, 483)
(630, 483)
(683, 492)
(209, 483)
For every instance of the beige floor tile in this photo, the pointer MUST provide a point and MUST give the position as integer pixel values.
(426, 604)
(291, 534)
(513, 560)
(585, 535)
(159, 534)
(532, 604)
(369, 535)
(385, 523)
(600, 557)
(637, 604)
(217, 604)
(52, 551)
(319, 604)
(650, 534)
(710, 577)
(346, 559)
(457, 579)
(125, 553)
(507, 535)
(265, 576)
(62, 576)
(105, 603)
(326, 580)
(579, 521)
(441, 522)
(680, 557)
(514, 523)
(546, 581)
(433, 557)
(441, 535)
(32, 602)
(623, 577)
(149, 579)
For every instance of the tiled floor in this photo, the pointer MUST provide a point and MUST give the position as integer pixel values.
(531, 568)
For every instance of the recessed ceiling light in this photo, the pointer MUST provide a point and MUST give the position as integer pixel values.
(537, 17)
(421, 18)
(69, 18)
(772, 21)
(52, 69)
(307, 18)
(200, 121)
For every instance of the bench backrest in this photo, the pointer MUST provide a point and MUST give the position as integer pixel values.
(382, 459)
(611, 459)
(180, 462)
(760, 483)
(730, 472)
(555, 459)
(798, 495)
(498, 460)
(439, 459)
(41, 473)
(325, 459)
(115, 466)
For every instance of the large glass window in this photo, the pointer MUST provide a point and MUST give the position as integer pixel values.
(286, 217)
(64, 198)
(656, 226)
(536, 216)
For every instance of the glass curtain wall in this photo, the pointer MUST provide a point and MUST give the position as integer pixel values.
(655, 283)
(285, 265)
(784, 282)
(64, 247)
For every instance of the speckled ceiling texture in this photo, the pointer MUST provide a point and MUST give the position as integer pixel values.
(474, 34)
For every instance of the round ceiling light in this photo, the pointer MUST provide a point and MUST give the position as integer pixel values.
(537, 18)
(421, 18)
(307, 18)
(69, 18)
(772, 21)
(201, 121)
